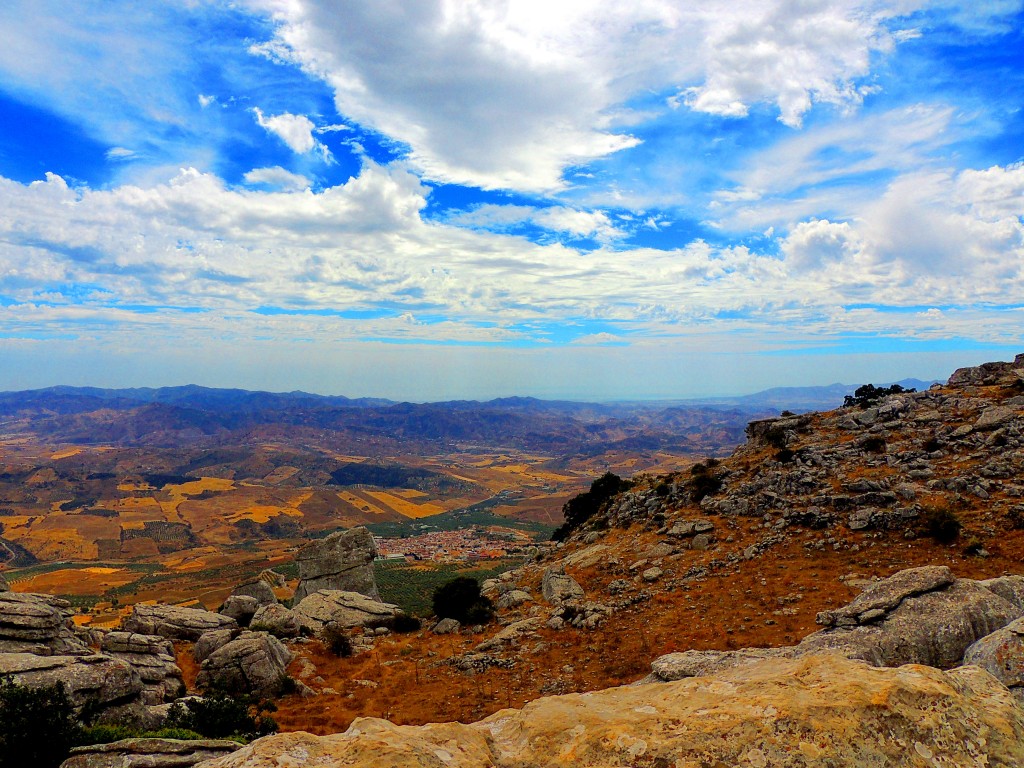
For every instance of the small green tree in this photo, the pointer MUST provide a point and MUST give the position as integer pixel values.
(37, 725)
(868, 394)
(582, 507)
(219, 715)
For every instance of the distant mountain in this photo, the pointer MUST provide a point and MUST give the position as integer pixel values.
(801, 399)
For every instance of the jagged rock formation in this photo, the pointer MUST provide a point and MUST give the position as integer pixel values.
(149, 753)
(260, 589)
(241, 608)
(345, 609)
(109, 686)
(175, 622)
(253, 662)
(917, 616)
(558, 587)
(210, 641)
(152, 657)
(342, 561)
(277, 620)
(818, 710)
(1001, 654)
(40, 624)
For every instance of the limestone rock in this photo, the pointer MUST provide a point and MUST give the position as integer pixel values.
(277, 620)
(677, 666)
(994, 417)
(175, 622)
(41, 624)
(887, 594)
(782, 713)
(240, 608)
(346, 609)
(558, 587)
(510, 635)
(149, 753)
(254, 662)
(1001, 654)
(152, 657)
(446, 626)
(342, 561)
(513, 598)
(260, 589)
(933, 628)
(97, 679)
(1010, 588)
(210, 641)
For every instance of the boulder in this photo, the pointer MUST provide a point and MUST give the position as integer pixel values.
(513, 598)
(933, 628)
(175, 622)
(113, 687)
(558, 587)
(511, 635)
(343, 561)
(677, 666)
(149, 753)
(446, 626)
(275, 619)
(210, 641)
(885, 595)
(259, 589)
(784, 713)
(254, 662)
(40, 624)
(240, 608)
(1010, 588)
(346, 609)
(152, 657)
(1001, 654)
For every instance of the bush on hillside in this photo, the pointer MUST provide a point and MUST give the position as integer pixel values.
(703, 481)
(580, 508)
(37, 725)
(942, 525)
(336, 640)
(867, 395)
(460, 599)
(222, 716)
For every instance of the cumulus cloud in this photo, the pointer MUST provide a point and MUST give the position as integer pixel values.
(277, 178)
(571, 221)
(510, 94)
(294, 130)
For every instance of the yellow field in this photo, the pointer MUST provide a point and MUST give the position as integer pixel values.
(262, 514)
(405, 507)
(361, 503)
(66, 453)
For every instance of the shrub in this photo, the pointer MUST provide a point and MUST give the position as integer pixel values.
(785, 456)
(775, 436)
(942, 525)
(37, 725)
(703, 482)
(405, 623)
(460, 599)
(868, 394)
(874, 444)
(583, 506)
(337, 640)
(104, 734)
(220, 716)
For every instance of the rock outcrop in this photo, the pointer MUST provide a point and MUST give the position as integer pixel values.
(149, 753)
(342, 561)
(254, 662)
(346, 609)
(240, 608)
(818, 710)
(558, 587)
(259, 589)
(1001, 654)
(40, 624)
(109, 686)
(277, 620)
(152, 657)
(175, 622)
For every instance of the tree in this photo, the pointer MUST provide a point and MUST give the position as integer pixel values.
(37, 725)
(868, 394)
(460, 599)
(582, 507)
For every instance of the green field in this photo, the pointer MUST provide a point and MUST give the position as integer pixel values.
(411, 587)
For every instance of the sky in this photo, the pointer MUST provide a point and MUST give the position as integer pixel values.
(444, 199)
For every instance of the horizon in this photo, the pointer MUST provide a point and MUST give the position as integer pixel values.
(486, 199)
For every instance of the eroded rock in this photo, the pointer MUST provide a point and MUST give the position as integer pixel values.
(152, 657)
(346, 609)
(149, 753)
(254, 662)
(782, 713)
(175, 622)
(342, 562)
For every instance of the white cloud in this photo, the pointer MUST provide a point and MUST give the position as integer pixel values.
(571, 221)
(205, 101)
(277, 178)
(294, 130)
(511, 93)
(120, 153)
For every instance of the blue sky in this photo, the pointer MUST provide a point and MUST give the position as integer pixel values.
(443, 199)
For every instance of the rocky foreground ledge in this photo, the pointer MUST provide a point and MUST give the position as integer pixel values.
(812, 711)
